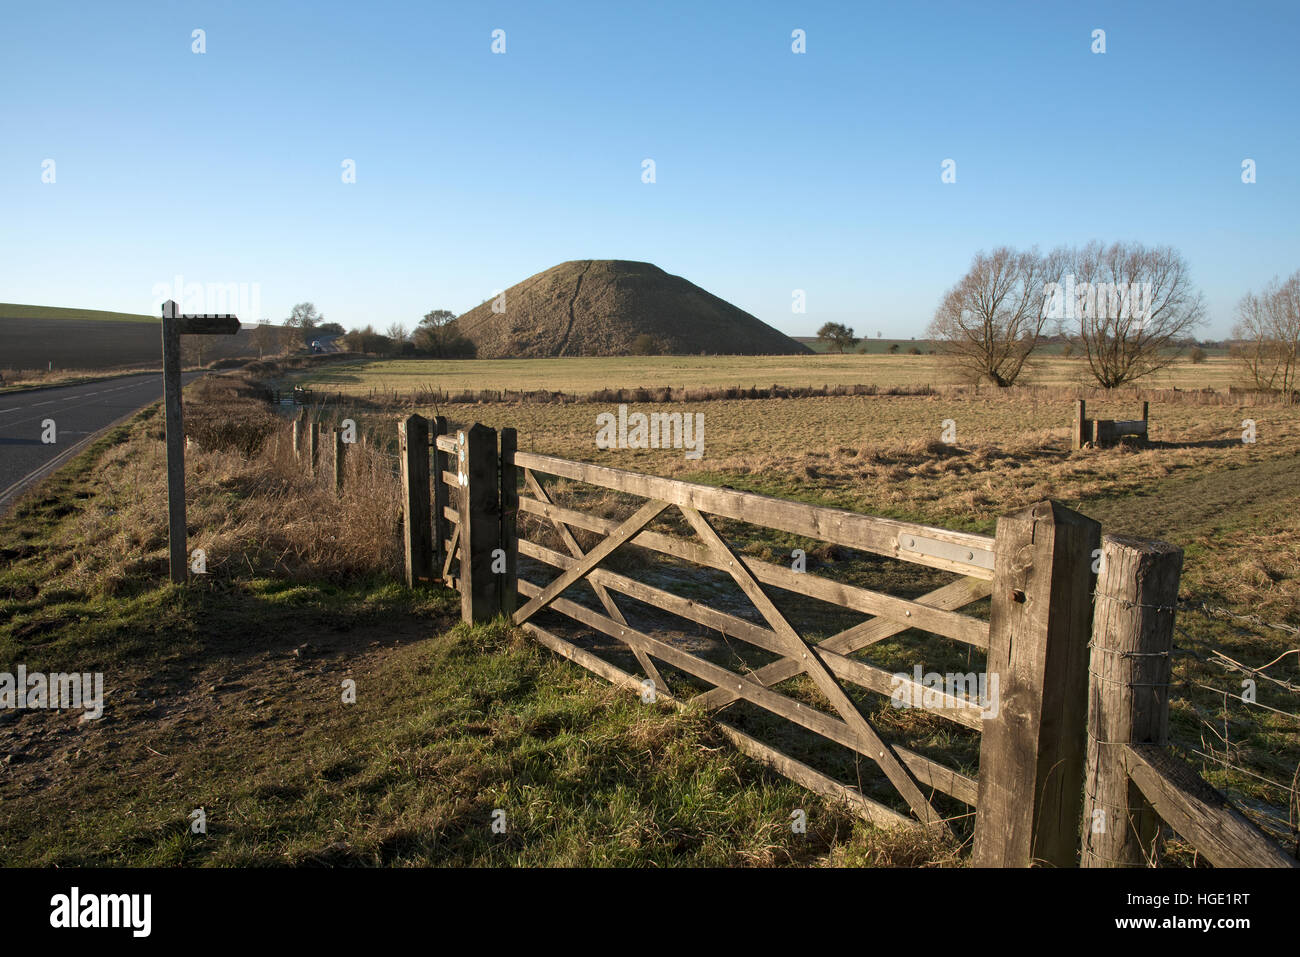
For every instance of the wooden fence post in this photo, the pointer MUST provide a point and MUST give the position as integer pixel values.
(1082, 431)
(340, 451)
(1031, 755)
(1128, 694)
(313, 444)
(480, 522)
(509, 510)
(414, 435)
(441, 527)
(298, 421)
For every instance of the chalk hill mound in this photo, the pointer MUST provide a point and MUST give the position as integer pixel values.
(600, 307)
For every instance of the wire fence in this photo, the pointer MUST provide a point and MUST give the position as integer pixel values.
(1245, 735)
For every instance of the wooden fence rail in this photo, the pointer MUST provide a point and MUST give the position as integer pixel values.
(1065, 742)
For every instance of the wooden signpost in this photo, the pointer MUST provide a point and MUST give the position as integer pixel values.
(174, 326)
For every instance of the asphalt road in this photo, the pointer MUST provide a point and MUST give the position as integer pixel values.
(79, 412)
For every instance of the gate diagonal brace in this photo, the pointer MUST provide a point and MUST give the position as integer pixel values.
(619, 537)
(799, 650)
(606, 599)
(451, 553)
(948, 597)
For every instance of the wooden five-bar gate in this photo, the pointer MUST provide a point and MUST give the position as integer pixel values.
(1050, 738)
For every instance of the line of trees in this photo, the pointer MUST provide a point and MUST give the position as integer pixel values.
(436, 336)
(1124, 307)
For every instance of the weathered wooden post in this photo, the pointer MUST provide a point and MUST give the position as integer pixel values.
(1082, 428)
(1128, 695)
(313, 446)
(441, 465)
(509, 510)
(414, 436)
(480, 522)
(340, 457)
(1146, 408)
(174, 326)
(1031, 754)
(299, 421)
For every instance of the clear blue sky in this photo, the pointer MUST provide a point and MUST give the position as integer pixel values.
(775, 171)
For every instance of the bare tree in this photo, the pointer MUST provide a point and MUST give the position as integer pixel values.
(1268, 326)
(438, 335)
(304, 317)
(265, 338)
(288, 339)
(192, 350)
(992, 320)
(1127, 306)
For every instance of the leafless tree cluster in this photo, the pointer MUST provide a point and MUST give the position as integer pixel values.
(1125, 307)
(1150, 306)
(1268, 327)
(270, 340)
(992, 320)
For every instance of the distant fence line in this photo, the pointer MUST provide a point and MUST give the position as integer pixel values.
(383, 399)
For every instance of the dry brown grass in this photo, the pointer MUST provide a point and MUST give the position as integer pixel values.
(1234, 506)
(252, 507)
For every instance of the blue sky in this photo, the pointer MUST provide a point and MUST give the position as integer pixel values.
(775, 171)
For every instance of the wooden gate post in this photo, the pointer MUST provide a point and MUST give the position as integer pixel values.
(414, 436)
(1082, 430)
(1031, 754)
(509, 510)
(1128, 694)
(441, 465)
(480, 522)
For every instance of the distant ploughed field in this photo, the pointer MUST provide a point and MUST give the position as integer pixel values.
(43, 337)
(581, 375)
(77, 343)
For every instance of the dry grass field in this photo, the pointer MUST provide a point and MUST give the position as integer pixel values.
(587, 374)
(884, 455)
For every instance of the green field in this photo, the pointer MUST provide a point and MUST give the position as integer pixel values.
(586, 374)
(13, 310)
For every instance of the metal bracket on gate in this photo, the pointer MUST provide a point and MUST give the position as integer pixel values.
(919, 545)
